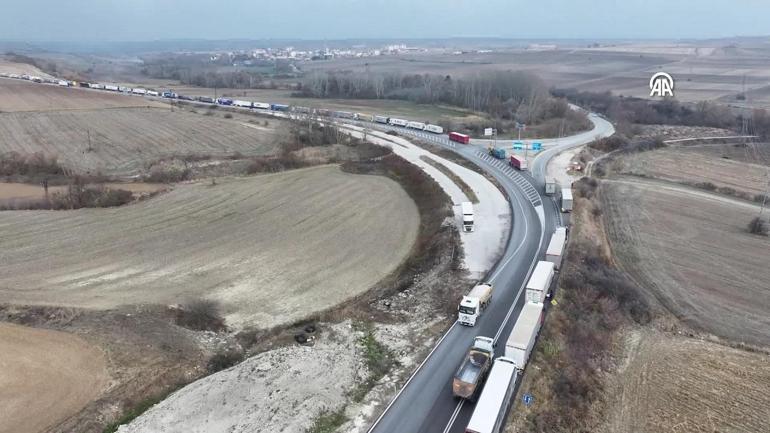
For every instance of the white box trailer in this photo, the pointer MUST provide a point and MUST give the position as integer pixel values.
(566, 200)
(539, 282)
(64, 83)
(397, 122)
(467, 210)
(490, 410)
(519, 344)
(434, 129)
(111, 88)
(555, 250)
(152, 93)
(261, 105)
(139, 91)
(416, 125)
(243, 104)
(550, 186)
(381, 119)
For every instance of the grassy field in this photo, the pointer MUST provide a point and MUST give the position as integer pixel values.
(679, 384)
(45, 376)
(19, 95)
(690, 250)
(725, 165)
(271, 249)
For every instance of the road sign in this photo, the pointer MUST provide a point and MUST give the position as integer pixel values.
(527, 399)
(518, 145)
(488, 132)
(537, 146)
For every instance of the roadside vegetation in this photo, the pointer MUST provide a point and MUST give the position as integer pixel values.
(455, 178)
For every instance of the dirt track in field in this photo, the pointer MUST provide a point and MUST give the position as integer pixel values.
(706, 164)
(19, 95)
(271, 248)
(677, 384)
(691, 251)
(45, 376)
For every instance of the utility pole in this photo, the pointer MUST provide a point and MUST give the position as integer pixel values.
(90, 147)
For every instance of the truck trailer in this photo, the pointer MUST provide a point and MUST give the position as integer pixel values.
(467, 210)
(261, 105)
(566, 200)
(540, 282)
(555, 250)
(490, 410)
(518, 162)
(279, 107)
(459, 138)
(550, 186)
(474, 303)
(519, 344)
(416, 125)
(381, 119)
(397, 122)
(242, 104)
(497, 152)
(434, 129)
(475, 367)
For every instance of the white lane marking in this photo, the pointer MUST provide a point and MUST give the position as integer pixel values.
(454, 416)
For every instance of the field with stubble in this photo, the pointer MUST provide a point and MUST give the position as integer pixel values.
(271, 249)
(678, 384)
(118, 135)
(690, 251)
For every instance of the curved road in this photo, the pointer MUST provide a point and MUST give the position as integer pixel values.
(425, 404)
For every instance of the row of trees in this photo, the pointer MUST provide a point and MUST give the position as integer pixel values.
(668, 111)
(503, 94)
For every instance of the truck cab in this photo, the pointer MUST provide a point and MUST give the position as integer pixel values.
(467, 210)
(474, 303)
(468, 311)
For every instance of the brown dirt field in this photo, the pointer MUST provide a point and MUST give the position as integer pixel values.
(20, 95)
(679, 384)
(272, 249)
(24, 191)
(125, 140)
(20, 69)
(705, 164)
(690, 250)
(45, 377)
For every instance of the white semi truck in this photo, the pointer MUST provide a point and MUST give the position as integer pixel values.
(490, 410)
(467, 210)
(397, 122)
(555, 251)
(540, 282)
(522, 338)
(474, 303)
(434, 129)
(415, 125)
(566, 200)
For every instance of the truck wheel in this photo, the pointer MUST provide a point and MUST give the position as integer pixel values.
(300, 338)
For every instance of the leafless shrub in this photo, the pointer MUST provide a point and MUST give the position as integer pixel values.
(758, 226)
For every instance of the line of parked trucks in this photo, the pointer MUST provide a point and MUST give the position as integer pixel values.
(489, 381)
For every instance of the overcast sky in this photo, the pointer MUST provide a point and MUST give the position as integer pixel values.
(141, 20)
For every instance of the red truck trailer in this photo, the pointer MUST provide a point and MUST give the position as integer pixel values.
(460, 138)
(518, 162)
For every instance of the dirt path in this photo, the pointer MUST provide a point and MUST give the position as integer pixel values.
(45, 376)
(270, 248)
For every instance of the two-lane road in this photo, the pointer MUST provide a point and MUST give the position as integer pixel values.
(425, 404)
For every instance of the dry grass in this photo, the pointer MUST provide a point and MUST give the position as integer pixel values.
(678, 384)
(691, 252)
(271, 249)
(466, 189)
(20, 96)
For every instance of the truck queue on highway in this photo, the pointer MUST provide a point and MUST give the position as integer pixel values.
(489, 381)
